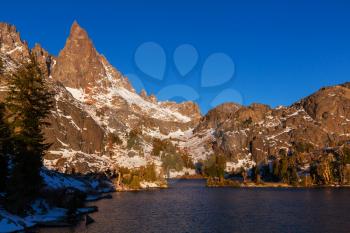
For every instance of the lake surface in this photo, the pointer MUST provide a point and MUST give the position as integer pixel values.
(188, 206)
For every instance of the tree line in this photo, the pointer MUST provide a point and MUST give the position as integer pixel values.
(330, 167)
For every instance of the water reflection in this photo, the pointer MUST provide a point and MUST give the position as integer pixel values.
(190, 207)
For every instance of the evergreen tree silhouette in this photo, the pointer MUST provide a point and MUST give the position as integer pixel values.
(28, 103)
(4, 149)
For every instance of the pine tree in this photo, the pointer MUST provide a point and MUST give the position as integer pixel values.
(283, 170)
(4, 145)
(255, 174)
(215, 166)
(276, 170)
(28, 102)
(4, 149)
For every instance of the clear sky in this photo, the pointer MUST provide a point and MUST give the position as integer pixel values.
(281, 50)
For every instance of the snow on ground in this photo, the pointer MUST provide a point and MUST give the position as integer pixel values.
(146, 184)
(271, 122)
(109, 95)
(198, 145)
(114, 89)
(6, 49)
(286, 130)
(54, 180)
(245, 163)
(154, 110)
(184, 171)
(130, 162)
(78, 94)
(12, 223)
(178, 134)
(41, 211)
(93, 161)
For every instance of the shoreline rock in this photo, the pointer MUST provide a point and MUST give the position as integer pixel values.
(62, 202)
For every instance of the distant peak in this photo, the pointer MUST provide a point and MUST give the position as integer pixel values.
(77, 32)
(75, 26)
(75, 23)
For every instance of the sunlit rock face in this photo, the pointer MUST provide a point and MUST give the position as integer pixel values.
(93, 103)
(258, 132)
(97, 113)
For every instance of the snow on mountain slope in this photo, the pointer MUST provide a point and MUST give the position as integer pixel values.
(97, 110)
(198, 145)
(99, 121)
(149, 108)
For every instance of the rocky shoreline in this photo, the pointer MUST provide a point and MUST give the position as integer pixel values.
(62, 202)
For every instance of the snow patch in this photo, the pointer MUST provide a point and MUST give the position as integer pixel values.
(78, 94)
(245, 163)
(177, 174)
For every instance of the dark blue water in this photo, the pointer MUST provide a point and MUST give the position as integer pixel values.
(188, 206)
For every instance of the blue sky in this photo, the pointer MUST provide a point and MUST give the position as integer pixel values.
(282, 50)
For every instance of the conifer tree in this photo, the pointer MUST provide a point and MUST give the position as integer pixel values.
(28, 102)
(283, 170)
(4, 149)
(4, 134)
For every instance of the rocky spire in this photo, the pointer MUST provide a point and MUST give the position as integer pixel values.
(78, 64)
(11, 44)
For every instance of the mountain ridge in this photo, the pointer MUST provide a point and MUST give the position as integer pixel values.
(94, 101)
(100, 122)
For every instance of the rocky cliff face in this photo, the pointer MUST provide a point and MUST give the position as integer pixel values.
(96, 107)
(99, 122)
(257, 132)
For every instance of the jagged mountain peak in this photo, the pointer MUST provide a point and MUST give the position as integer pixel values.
(94, 103)
(5, 27)
(75, 26)
(79, 37)
(80, 66)
(11, 44)
(91, 79)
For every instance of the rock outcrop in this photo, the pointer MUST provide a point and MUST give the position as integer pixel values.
(257, 132)
(99, 121)
(12, 46)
